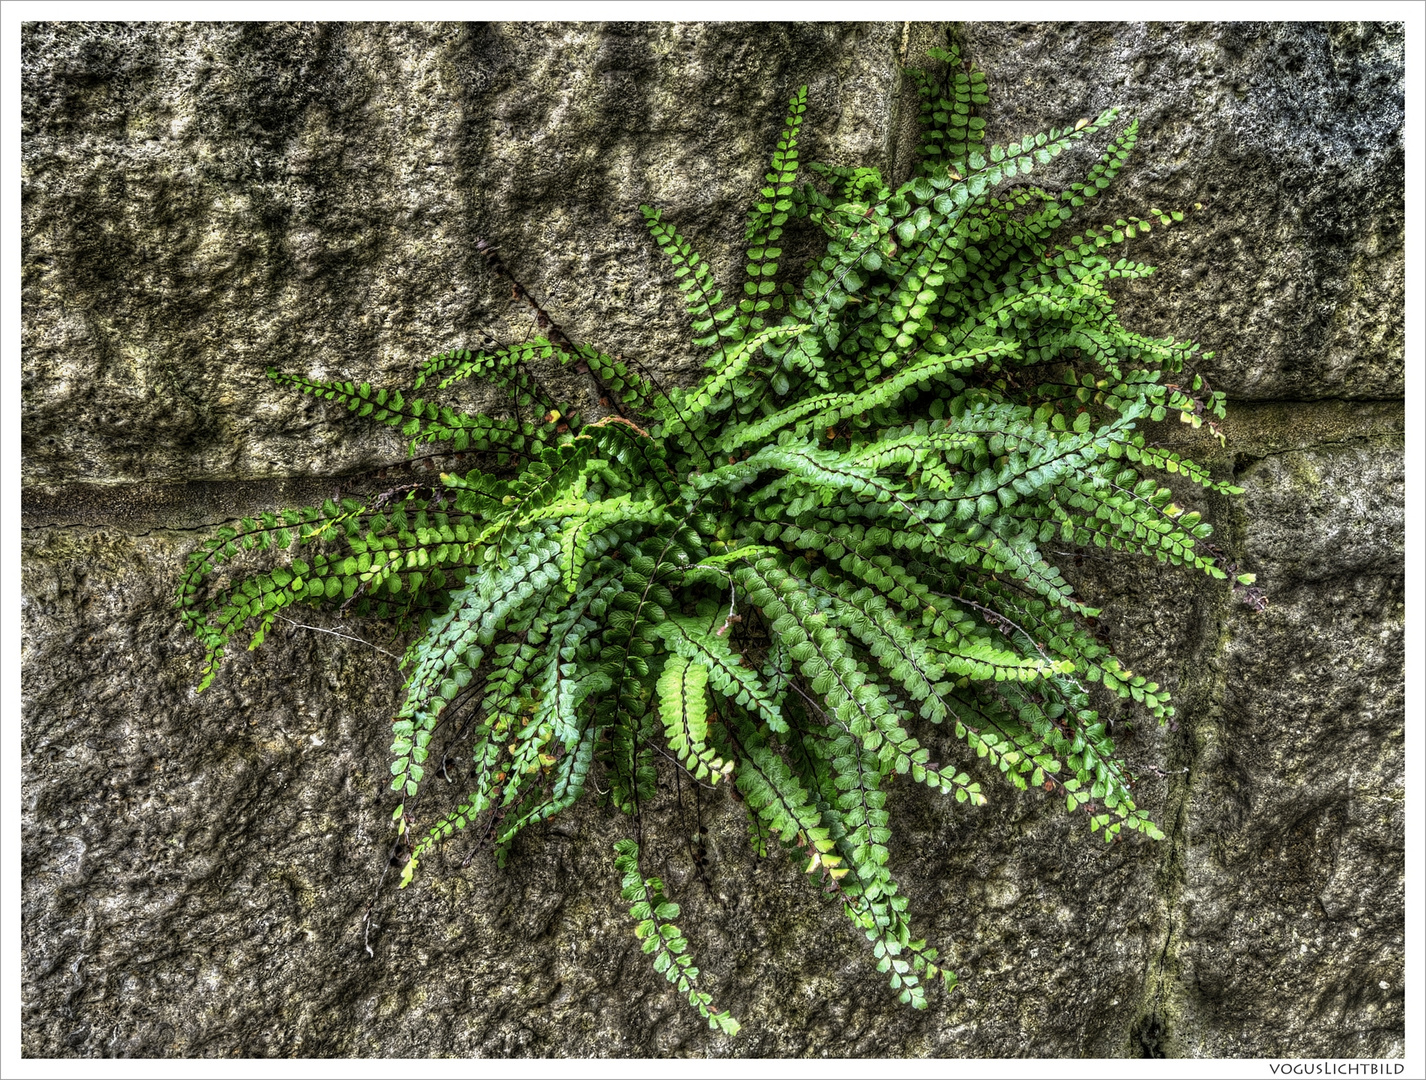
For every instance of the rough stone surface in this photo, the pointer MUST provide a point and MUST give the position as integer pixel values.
(1291, 851)
(202, 201)
(1290, 136)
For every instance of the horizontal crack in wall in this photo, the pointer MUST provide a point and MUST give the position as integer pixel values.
(1258, 429)
(141, 508)
(1252, 429)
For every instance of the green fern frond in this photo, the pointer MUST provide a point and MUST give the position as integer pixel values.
(660, 937)
(845, 530)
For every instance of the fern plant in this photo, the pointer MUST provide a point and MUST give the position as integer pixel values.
(777, 577)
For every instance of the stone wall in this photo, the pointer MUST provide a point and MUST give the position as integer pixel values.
(201, 201)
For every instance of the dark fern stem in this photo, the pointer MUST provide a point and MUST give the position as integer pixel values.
(774, 580)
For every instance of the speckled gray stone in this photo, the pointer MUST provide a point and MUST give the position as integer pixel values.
(202, 201)
(1290, 136)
